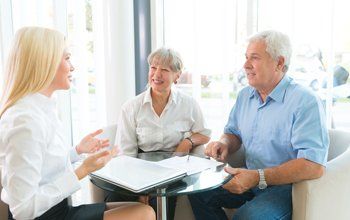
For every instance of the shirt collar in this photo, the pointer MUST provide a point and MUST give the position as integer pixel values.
(277, 93)
(172, 97)
(44, 102)
(148, 97)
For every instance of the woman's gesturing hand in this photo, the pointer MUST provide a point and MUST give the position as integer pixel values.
(95, 162)
(91, 144)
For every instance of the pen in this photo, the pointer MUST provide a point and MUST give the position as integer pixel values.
(192, 145)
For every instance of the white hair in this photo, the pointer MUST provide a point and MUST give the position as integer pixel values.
(168, 57)
(277, 45)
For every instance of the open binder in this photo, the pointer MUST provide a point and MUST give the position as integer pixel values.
(137, 175)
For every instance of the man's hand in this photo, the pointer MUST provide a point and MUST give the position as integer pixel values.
(91, 144)
(242, 180)
(217, 150)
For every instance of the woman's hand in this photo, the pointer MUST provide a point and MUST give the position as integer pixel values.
(184, 146)
(91, 144)
(95, 162)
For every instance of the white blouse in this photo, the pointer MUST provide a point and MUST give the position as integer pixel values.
(140, 127)
(36, 161)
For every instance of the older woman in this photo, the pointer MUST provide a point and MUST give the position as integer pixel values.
(37, 174)
(161, 118)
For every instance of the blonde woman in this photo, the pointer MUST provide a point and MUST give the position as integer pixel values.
(37, 175)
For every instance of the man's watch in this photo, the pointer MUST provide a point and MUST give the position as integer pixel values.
(262, 181)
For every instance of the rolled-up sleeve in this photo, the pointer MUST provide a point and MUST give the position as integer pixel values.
(232, 126)
(24, 146)
(309, 133)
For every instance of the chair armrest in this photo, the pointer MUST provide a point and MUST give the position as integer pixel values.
(238, 158)
(327, 197)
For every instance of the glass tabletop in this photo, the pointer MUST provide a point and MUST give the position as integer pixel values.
(203, 181)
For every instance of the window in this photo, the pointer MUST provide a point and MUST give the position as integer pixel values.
(29, 13)
(320, 48)
(83, 91)
(211, 34)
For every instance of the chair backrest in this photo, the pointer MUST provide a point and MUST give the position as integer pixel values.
(3, 206)
(339, 142)
(109, 132)
(238, 158)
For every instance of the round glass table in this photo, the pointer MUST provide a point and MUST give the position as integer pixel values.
(202, 181)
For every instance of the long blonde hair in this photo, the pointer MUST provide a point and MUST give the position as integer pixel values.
(32, 64)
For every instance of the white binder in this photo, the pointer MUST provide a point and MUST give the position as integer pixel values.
(137, 175)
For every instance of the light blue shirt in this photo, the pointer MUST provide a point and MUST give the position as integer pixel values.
(290, 124)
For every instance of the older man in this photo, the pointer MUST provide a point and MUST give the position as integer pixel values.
(282, 127)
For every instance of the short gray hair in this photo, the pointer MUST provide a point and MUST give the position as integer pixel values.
(167, 56)
(277, 45)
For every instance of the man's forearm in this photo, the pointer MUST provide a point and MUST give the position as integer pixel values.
(232, 141)
(293, 171)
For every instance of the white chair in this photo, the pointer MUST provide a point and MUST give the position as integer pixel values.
(329, 196)
(3, 206)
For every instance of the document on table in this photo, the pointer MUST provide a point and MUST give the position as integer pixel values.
(191, 166)
(137, 175)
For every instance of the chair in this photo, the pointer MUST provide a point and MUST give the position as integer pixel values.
(3, 206)
(329, 196)
(109, 132)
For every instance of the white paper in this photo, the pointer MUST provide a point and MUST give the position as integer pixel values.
(191, 166)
